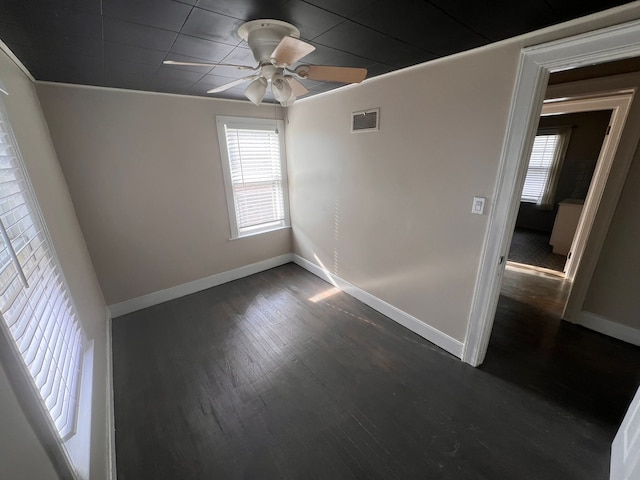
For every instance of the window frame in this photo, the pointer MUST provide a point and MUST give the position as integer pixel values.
(69, 453)
(555, 168)
(272, 125)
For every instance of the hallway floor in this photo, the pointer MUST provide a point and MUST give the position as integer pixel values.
(531, 247)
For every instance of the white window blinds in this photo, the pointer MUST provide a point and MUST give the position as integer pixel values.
(34, 302)
(542, 156)
(255, 176)
(544, 167)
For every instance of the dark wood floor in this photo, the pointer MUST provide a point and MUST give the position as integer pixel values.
(262, 378)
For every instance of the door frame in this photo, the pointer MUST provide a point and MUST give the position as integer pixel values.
(535, 65)
(578, 274)
(619, 102)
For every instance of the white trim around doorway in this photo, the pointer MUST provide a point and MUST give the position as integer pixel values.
(536, 63)
(577, 271)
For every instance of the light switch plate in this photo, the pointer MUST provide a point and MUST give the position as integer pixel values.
(478, 205)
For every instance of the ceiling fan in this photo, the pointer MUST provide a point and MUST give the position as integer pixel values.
(276, 47)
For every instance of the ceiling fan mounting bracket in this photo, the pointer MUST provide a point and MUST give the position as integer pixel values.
(263, 36)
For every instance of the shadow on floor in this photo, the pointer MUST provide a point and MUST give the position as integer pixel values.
(578, 369)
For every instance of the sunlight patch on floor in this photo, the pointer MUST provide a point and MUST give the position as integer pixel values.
(533, 270)
(329, 292)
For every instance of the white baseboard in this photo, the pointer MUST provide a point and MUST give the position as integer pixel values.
(161, 296)
(607, 327)
(435, 336)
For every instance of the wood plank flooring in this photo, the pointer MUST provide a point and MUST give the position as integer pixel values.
(586, 372)
(263, 378)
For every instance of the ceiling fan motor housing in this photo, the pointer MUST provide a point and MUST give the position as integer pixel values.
(263, 36)
(268, 70)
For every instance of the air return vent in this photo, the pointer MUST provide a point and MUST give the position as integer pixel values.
(365, 121)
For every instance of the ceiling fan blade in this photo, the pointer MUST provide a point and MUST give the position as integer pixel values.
(196, 64)
(332, 74)
(290, 50)
(298, 88)
(229, 85)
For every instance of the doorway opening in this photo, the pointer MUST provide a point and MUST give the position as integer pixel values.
(568, 168)
(550, 235)
(537, 63)
(578, 370)
(566, 151)
(582, 372)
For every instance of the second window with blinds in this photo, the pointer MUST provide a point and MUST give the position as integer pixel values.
(545, 165)
(255, 176)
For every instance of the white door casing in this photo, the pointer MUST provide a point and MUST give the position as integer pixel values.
(619, 103)
(536, 63)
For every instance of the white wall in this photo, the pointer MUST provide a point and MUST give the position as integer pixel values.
(613, 293)
(37, 150)
(390, 211)
(146, 180)
(21, 455)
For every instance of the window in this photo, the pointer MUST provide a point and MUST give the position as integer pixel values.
(255, 174)
(38, 316)
(544, 167)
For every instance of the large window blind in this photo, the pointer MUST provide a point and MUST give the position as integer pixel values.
(543, 164)
(255, 175)
(34, 303)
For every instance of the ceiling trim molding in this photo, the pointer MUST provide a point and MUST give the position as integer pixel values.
(16, 60)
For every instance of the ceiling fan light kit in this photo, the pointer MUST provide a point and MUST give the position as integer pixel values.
(281, 89)
(276, 47)
(256, 90)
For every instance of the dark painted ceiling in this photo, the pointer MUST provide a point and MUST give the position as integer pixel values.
(122, 43)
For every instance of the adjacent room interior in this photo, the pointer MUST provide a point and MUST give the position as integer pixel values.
(278, 269)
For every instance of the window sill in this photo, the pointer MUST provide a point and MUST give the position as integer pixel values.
(79, 445)
(259, 232)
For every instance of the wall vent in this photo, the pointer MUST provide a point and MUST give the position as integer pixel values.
(365, 121)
